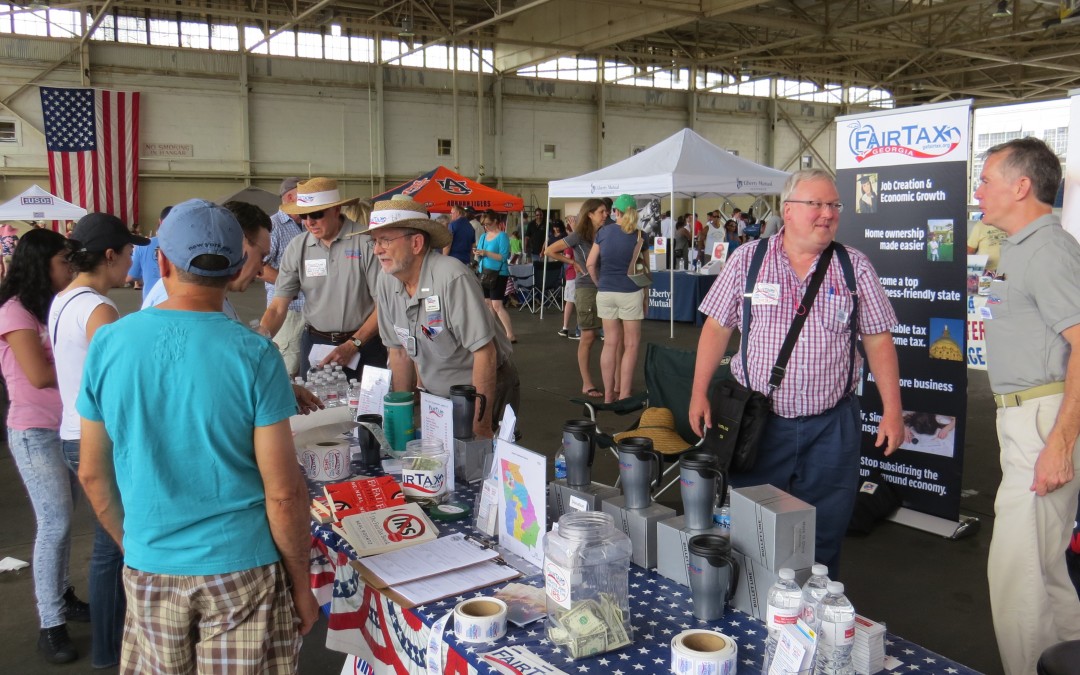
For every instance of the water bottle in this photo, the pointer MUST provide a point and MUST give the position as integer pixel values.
(354, 398)
(560, 465)
(813, 591)
(837, 634)
(722, 514)
(785, 601)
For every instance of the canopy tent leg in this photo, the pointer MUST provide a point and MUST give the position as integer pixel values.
(543, 277)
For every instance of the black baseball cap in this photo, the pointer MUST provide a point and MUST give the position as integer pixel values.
(99, 232)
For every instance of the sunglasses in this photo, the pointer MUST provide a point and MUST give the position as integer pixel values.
(314, 215)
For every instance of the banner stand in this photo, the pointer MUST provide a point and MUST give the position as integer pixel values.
(943, 527)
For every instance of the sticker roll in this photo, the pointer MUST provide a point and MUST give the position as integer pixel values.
(326, 460)
(480, 620)
(703, 652)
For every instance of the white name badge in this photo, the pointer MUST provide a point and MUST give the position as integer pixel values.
(986, 313)
(765, 294)
(315, 268)
(431, 303)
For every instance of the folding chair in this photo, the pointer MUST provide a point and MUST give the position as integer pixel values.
(525, 287)
(549, 287)
(669, 377)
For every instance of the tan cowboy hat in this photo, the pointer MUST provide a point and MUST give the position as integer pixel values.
(400, 211)
(316, 194)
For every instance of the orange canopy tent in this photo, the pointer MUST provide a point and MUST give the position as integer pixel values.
(442, 188)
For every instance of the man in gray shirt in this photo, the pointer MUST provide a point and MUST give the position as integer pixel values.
(1032, 318)
(334, 265)
(432, 315)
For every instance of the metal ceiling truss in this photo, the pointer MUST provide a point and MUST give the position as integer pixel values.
(920, 50)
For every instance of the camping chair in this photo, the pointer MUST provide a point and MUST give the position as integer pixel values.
(549, 288)
(669, 376)
(524, 287)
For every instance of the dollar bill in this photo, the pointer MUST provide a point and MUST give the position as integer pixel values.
(584, 618)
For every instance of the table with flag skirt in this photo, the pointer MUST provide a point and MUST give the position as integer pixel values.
(389, 639)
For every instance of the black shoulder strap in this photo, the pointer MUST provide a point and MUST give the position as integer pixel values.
(56, 324)
(751, 279)
(776, 376)
(849, 278)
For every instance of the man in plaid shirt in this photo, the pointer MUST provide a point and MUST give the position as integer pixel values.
(810, 446)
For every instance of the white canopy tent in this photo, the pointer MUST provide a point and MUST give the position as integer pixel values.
(685, 165)
(38, 204)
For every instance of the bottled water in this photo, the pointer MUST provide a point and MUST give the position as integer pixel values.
(560, 465)
(812, 593)
(330, 391)
(353, 398)
(785, 601)
(837, 634)
(722, 513)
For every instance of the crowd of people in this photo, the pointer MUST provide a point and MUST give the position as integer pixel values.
(201, 547)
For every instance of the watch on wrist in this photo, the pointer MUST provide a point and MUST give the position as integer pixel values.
(356, 342)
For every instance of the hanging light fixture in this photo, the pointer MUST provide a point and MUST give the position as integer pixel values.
(406, 27)
(1002, 11)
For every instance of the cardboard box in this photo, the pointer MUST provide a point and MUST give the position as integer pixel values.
(672, 555)
(640, 526)
(563, 498)
(772, 528)
(657, 262)
(755, 580)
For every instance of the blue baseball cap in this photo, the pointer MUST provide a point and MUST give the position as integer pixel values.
(198, 227)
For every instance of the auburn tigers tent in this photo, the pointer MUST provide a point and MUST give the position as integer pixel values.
(442, 188)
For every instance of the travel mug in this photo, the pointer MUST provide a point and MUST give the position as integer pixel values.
(464, 396)
(700, 481)
(369, 437)
(714, 575)
(579, 448)
(639, 470)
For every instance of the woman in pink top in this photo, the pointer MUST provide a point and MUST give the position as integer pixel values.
(39, 269)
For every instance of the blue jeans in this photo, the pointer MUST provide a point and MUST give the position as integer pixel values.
(107, 601)
(815, 458)
(41, 465)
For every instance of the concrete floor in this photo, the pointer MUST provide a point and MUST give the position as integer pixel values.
(928, 589)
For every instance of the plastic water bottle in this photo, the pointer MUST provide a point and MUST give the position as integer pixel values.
(560, 465)
(813, 591)
(837, 634)
(784, 603)
(354, 398)
(722, 514)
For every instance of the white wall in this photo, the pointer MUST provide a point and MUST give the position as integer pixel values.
(320, 118)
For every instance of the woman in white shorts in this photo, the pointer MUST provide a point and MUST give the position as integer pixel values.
(619, 302)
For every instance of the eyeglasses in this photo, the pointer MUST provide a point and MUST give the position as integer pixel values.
(314, 215)
(384, 242)
(818, 206)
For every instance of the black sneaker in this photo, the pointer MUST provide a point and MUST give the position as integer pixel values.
(74, 608)
(576, 335)
(55, 645)
(564, 332)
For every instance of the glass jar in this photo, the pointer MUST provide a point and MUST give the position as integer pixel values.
(586, 571)
(423, 472)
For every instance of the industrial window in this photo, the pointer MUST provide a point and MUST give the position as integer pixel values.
(9, 131)
(445, 147)
(547, 151)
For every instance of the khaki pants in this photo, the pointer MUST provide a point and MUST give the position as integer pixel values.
(288, 341)
(1033, 601)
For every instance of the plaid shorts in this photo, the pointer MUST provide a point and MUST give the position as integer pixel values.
(240, 622)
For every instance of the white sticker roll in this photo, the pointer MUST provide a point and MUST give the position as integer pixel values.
(480, 620)
(326, 460)
(703, 652)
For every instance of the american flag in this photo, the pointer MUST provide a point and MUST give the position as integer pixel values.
(92, 137)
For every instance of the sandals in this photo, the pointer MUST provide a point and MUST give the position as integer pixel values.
(593, 392)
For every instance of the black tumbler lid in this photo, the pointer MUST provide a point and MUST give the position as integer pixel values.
(710, 546)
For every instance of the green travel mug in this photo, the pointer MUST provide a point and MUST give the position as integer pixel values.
(398, 419)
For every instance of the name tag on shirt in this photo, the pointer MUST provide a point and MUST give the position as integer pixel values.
(315, 268)
(765, 294)
(431, 303)
(986, 313)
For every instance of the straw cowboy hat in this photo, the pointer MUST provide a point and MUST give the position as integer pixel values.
(400, 211)
(316, 194)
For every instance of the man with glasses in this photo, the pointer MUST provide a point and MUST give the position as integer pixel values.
(810, 446)
(335, 267)
(432, 315)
